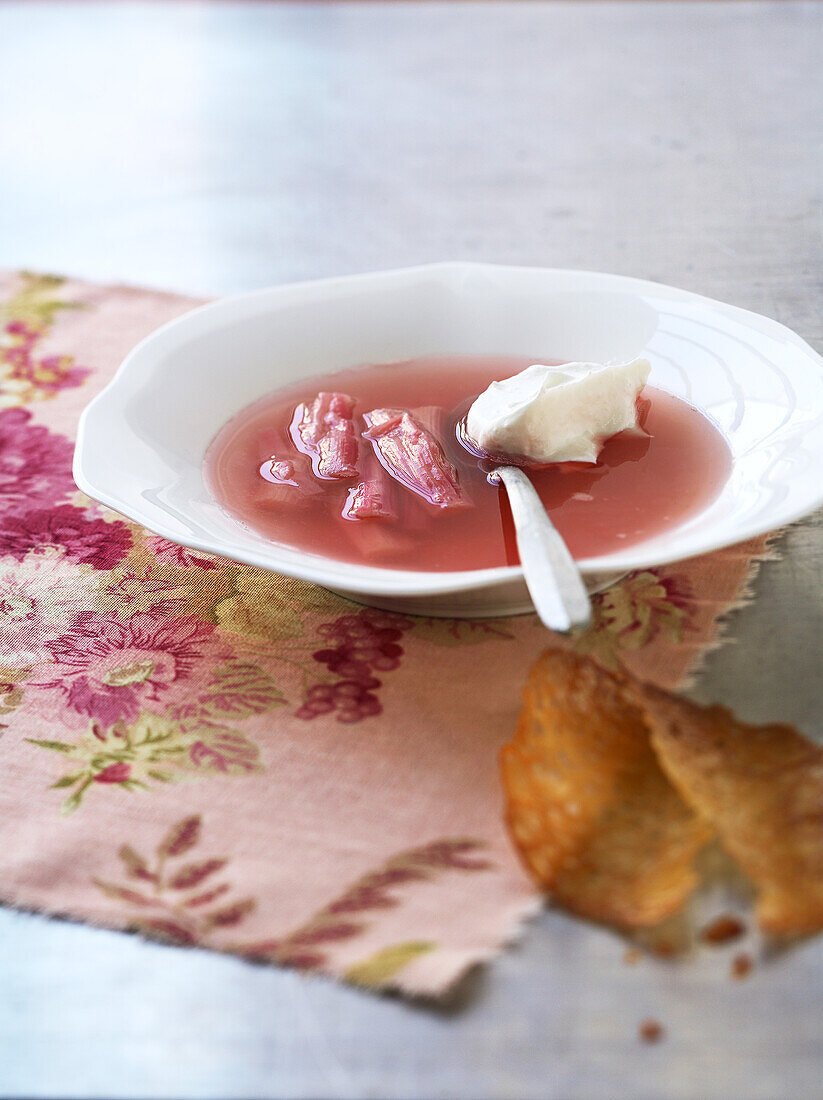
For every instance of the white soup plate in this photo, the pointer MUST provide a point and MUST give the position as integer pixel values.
(142, 441)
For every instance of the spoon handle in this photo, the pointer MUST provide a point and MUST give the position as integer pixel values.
(552, 577)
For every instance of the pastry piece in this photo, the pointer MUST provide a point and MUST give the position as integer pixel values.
(592, 814)
(762, 789)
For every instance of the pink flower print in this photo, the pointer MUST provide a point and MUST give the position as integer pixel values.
(93, 541)
(35, 464)
(26, 376)
(171, 554)
(114, 773)
(110, 670)
(633, 612)
(53, 373)
(40, 597)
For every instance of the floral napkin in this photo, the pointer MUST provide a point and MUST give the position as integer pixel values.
(216, 755)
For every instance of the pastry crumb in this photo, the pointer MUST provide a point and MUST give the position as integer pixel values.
(722, 930)
(742, 966)
(665, 949)
(632, 956)
(651, 1031)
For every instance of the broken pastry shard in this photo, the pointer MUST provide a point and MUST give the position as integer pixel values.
(413, 455)
(593, 816)
(324, 430)
(762, 789)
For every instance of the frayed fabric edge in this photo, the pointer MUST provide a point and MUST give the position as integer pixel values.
(720, 635)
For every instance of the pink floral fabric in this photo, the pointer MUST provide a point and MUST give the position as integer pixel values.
(216, 755)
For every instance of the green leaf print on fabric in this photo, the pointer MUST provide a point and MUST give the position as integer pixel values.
(378, 969)
(151, 750)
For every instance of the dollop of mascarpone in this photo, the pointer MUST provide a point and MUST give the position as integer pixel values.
(557, 414)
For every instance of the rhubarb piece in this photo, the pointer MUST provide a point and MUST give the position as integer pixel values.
(281, 466)
(413, 456)
(385, 544)
(373, 497)
(278, 463)
(278, 471)
(324, 430)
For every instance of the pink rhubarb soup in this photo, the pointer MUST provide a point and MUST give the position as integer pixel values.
(365, 466)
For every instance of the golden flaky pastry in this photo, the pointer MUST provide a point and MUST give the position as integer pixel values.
(596, 821)
(762, 789)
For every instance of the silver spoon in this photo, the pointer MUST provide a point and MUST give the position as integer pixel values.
(551, 574)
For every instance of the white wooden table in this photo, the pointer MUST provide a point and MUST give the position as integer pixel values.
(213, 148)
